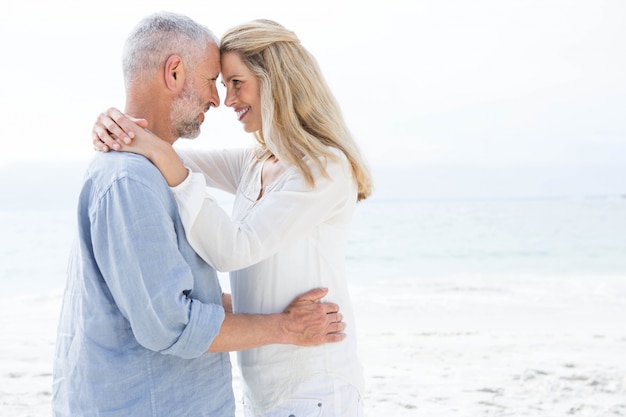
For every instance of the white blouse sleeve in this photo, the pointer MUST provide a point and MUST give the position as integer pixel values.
(221, 168)
(280, 216)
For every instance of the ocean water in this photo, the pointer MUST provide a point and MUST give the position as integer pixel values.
(429, 239)
(391, 241)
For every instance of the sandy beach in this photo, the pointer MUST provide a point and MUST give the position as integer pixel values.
(478, 346)
(515, 349)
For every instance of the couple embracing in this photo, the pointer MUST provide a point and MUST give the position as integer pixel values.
(145, 328)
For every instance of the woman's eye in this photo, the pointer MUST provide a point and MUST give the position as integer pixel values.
(236, 83)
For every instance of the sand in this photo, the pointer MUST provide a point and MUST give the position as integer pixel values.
(459, 346)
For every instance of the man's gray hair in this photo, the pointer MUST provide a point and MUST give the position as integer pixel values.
(159, 36)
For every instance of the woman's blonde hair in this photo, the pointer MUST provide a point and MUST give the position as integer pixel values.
(300, 116)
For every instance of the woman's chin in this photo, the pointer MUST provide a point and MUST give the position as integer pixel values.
(250, 129)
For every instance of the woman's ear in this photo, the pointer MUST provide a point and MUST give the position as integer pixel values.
(174, 73)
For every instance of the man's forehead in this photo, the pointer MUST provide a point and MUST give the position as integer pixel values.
(211, 64)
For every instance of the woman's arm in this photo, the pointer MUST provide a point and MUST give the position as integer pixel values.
(164, 157)
(281, 216)
(222, 168)
(113, 130)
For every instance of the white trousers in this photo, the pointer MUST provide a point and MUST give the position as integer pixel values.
(321, 397)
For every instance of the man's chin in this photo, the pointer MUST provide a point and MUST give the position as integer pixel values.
(190, 136)
(189, 133)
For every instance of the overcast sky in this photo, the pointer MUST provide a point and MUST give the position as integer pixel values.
(429, 87)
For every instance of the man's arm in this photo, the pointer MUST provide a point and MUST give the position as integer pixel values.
(305, 322)
(150, 281)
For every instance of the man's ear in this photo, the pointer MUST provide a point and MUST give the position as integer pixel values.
(174, 73)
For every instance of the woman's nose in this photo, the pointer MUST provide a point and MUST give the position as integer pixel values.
(229, 101)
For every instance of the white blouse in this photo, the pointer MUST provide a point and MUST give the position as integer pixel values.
(290, 240)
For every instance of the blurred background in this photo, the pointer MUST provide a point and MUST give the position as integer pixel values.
(449, 99)
(495, 129)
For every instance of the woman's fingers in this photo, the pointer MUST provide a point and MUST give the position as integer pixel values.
(119, 125)
(113, 129)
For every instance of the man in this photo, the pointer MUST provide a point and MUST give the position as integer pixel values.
(143, 329)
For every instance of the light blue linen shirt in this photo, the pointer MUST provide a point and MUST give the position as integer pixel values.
(140, 308)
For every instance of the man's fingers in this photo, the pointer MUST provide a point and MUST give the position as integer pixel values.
(336, 327)
(335, 330)
(315, 294)
(338, 317)
(334, 337)
(315, 322)
(330, 308)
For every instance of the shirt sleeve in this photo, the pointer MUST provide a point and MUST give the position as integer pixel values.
(135, 245)
(280, 216)
(221, 168)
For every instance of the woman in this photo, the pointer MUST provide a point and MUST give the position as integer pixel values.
(295, 194)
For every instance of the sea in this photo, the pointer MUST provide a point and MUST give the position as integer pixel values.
(547, 236)
(391, 241)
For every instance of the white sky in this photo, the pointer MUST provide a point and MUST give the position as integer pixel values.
(422, 83)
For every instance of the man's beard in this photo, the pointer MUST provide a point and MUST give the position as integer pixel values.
(184, 114)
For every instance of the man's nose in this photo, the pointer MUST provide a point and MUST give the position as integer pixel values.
(215, 97)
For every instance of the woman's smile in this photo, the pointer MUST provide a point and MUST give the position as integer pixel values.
(242, 112)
